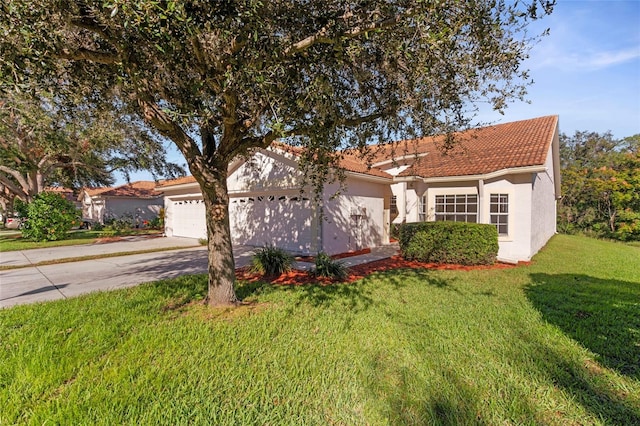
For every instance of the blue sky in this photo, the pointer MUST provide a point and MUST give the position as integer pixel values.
(587, 71)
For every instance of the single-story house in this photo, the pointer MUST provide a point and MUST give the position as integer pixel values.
(507, 175)
(138, 201)
(268, 207)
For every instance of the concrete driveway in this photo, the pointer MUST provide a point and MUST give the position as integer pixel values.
(64, 280)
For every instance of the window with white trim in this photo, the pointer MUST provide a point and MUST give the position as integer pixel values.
(422, 212)
(457, 208)
(499, 212)
(393, 205)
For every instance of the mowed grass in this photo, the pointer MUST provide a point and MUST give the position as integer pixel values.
(556, 342)
(12, 240)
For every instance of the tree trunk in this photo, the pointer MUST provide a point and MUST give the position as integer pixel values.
(221, 262)
(612, 221)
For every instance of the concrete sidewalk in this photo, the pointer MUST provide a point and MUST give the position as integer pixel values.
(63, 280)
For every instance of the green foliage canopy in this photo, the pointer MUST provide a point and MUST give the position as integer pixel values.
(48, 140)
(600, 185)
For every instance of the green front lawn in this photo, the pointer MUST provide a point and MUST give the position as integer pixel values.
(556, 342)
(12, 240)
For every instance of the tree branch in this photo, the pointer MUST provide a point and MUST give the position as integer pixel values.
(168, 128)
(87, 22)
(321, 36)
(11, 187)
(89, 55)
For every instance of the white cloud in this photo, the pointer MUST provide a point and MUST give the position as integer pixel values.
(585, 61)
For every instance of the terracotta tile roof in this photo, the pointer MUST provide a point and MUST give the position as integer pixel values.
(353, 163)
(58, 190)
(178, 181)
(479, 151)
(139, 189)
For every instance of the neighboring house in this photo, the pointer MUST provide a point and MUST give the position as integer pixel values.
(138, 201)
(507, 175)
(66, 193)
(267, 207)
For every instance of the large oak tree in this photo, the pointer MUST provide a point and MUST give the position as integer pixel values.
(51, 141)
(222, 78)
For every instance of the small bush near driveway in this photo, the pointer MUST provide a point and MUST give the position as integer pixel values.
(271, 261)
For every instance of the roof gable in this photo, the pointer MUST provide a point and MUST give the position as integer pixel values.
(279, 153)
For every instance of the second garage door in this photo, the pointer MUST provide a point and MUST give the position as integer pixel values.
(284, 221)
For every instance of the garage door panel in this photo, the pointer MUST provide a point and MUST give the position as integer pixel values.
(189, 218)
(283, 221)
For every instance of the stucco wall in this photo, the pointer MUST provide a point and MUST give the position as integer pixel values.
(516, 246)
(139, 209)
(265, 170)
(354, 219)
(543, 208)
(513, 247)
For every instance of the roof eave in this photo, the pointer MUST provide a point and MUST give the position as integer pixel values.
(187, 185)
(369, 178)
(400, 158)
(485, 176)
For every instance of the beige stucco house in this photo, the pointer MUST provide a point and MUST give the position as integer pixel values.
(267, 206)
(507, 175)
(138, 201)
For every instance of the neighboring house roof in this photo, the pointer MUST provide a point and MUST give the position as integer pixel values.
(65, 192)
(178, 181)
(139, 189)
(481, 151)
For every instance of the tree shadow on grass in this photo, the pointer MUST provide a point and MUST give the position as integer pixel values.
(602, 315)
(358, 296)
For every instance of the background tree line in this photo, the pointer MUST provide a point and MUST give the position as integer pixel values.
(600, 185)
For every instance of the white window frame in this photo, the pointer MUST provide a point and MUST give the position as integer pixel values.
(423, 214)
(393, 205)
(452, 207)
(502, 213)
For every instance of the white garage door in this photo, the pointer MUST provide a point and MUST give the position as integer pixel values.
(284, 221)
(189, 218)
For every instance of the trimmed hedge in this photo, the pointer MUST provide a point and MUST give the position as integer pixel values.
(449, 242)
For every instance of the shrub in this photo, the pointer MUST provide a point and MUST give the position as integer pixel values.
(96, 226)
(117, 225)
(328, 267)
(49, 217)
(271, 261)
(449, 242)
(156, 223)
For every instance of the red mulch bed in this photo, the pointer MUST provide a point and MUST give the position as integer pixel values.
(296, 277)
(312, 259)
